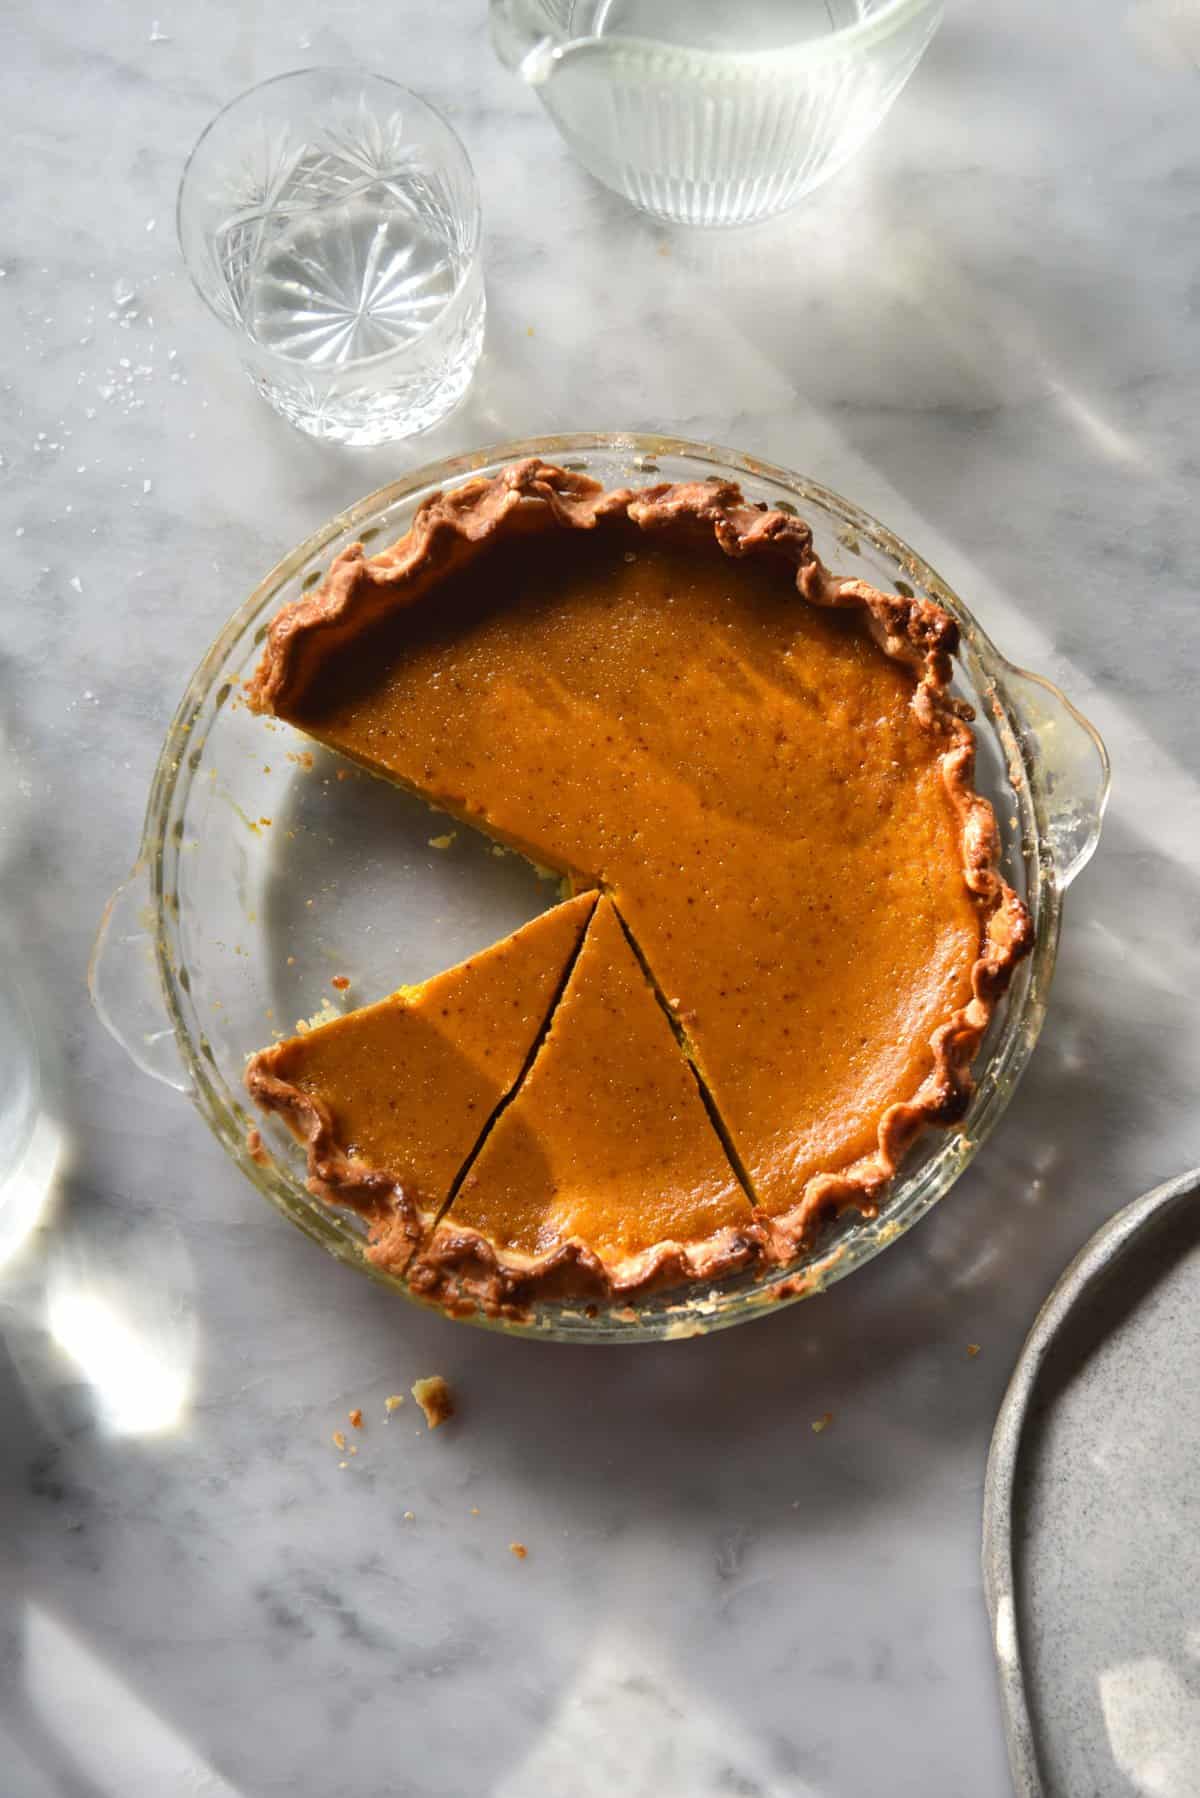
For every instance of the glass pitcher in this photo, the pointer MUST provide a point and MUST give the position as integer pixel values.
(714, 112)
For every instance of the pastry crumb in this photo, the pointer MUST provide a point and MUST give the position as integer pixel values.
(973, 1349)
(435, 1399)
(343, 1464)
(822, 1423)
(340, 982)
(519, 1549)
(396, 1399)
(356, 1418)
(353, 1448)
(474, 1510)
(410, 1517)
(339, 1440)
(443, 842)
(291, 961)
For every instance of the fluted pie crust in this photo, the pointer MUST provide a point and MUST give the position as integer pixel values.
(666, 696)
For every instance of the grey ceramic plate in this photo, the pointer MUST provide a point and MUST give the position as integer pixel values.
(1091, 1530)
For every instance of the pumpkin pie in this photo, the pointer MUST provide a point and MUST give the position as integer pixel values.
(391, 1099)
(666, 695)
(605, 1173)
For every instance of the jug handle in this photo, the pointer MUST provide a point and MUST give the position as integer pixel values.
(521, 42)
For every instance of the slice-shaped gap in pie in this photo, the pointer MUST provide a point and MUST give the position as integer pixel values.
(392, 1100)
(603, 1174)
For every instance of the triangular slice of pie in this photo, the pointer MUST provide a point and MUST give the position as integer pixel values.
(604, 1172)
(392, 1099)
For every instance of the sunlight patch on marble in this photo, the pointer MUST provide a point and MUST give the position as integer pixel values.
(115, 1740)
(141, 1386)
(1116, 444)
(634, 1723)
(26, 1191)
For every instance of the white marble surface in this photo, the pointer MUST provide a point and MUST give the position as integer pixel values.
(986, 333)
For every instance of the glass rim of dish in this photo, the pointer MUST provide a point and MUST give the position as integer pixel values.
(853, 1240)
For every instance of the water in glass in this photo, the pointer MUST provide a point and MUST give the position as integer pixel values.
(714, 24)
(345, 254)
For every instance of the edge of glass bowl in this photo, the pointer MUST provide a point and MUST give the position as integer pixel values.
(670, 1317)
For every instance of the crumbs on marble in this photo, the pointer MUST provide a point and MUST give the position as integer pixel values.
(443, 842)
(519, 1549)
(339, 1440)
(474, 1510)
(410, 1517)
(356, 1418)
(973, 1349)
(301, 757)
(435, 1399)
(340, 982)
(822, 1423)
(393, 1402)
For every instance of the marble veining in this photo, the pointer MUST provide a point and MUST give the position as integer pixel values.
(984, 332)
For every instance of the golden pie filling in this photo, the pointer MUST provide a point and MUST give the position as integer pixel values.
(393, 1098)
(666, 696)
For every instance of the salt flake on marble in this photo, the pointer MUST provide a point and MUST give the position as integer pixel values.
(76, 583)
(151, 224)
(157, 34)
(146, 486)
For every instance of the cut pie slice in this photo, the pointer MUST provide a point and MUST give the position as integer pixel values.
(604, 1173)
(392, 1099)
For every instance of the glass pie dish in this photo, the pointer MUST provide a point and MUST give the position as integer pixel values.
(274, 879)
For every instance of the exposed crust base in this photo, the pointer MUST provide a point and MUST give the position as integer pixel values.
(459, 1267)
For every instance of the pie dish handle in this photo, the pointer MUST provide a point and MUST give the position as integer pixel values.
(126, 987)
(1070, 766)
